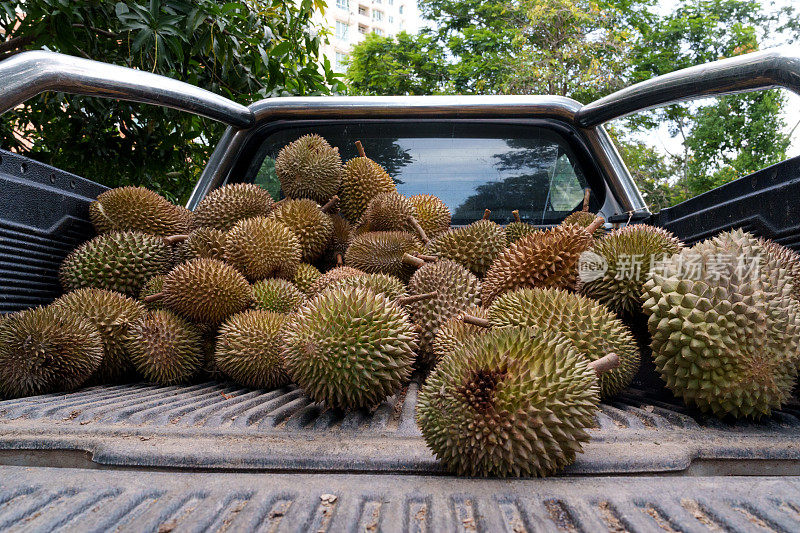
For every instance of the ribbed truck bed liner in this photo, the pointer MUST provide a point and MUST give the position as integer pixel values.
(225, 427)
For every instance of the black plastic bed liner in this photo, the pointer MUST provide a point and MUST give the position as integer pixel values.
(220, 426)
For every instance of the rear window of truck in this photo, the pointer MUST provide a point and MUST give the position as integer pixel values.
(470, 166)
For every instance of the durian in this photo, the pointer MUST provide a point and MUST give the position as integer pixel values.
(137, 209)
(458, 290)
(382, 252)
(250, 349)
(305, 277)
(543, 259)
(389, 286)
(277, 295)
(454, 331)
(165, 348)
(47, 349)
(119, 262)
(312, 227)
(592, 328)
(391, 211)
(309, 168)
(340, 240)
(206, 291)
(517, 229)
(584, 218)
(350, 348)
(363, 179)
(261, 247)
(725, 328)
(787, 259)
(222, 208)
(331, 276)
(111, 313)
(206, 243)
(432, 214)
(629, 254)
(152, 286)
(512, 402)
(474, 246)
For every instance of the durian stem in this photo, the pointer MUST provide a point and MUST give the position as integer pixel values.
(413, 261)
(339, 260)
(360, 148)
(586, 195)
(330, 205)
(427, 258)
(405, 300)
(421, 232)
(486, 214)
(154, 297)
(476, 321)
(599, 221)
(605, 363)
(174, 239)
(515, 214)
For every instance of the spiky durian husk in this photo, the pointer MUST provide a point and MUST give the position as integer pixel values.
(309, 168)
(382, 252)
(786, 259)
(432, 214)
(120, 262)
(222, 208)
(388, 211)
(277, 295)
(165, 348)
(340, 240)
(362, 181)
(543, 259)
(206, 291)
(47, 349)
(350, 348)
(250, 349)
(305, 277)
(475, 246)
(136, 209)
(512, 402)
(389, 286)
(726, 338)
(111, 313)
(629, 253)
(591, 327)
(154, 285)
(516, 230)
(310, 225)
(206, 243)
(454, 331)
(584, 219)
(331, 276)
(457, 290)
(261, 247)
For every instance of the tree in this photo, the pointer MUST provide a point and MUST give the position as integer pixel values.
(244, 50)
(402, 65)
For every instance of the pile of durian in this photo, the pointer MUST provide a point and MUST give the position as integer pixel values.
(347, 287)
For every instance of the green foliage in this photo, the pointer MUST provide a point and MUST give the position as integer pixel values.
(243, 50)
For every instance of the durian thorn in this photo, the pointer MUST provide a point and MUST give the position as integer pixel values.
(413, 261)
(154, 297)
(331, 205)
(174, 239)
(486, 214)
(586, 195)
(427, 258)
(599, 221)
(421, 232)
(605, 363)
(360, 148)
(339, 260)
(515, 214)
(476, 321)
(405, 300)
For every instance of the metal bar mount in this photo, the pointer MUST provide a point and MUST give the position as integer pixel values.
(776, 67)
(28, 74)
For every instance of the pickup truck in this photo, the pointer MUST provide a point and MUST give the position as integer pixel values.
(216, 456)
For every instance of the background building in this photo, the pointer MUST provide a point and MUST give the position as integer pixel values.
(350, 21)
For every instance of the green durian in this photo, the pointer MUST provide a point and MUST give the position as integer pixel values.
(277, 295)
(137, 209)
(432, 214)
(222, 208)
(474, 246)
(305, 277)
(331, 276)
(517, 229)
(309, 168)
(152, 286)
(363, 180)
(312, 227)
(382, 252)
(389, 286)
(261, 247)
(454, 331)
(391, 211)
(206, 243)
